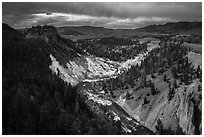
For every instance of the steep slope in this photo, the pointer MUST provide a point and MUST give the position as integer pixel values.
(169, 98)
(8, 31)
(179, 112)
(10, 34)
(90, 68)
(37, 102)
(176, 109)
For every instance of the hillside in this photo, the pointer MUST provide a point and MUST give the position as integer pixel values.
(37, 101)
(171, 106)
(81, 32)
(175, 27)
(10, 33)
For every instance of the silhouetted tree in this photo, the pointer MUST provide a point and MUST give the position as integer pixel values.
(159, 127)
(175, 84)
(145, 101)
(164, 78)
(199, 88)
(153, 90)
(198, 71)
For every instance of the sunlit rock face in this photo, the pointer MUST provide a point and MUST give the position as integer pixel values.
(183, 110)
(89, 69)
(82, 69)
(66, 73)
(189, 110)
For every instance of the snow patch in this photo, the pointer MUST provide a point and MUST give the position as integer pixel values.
(102, 92)
(116, 117)
(97, 99)
(126, 129)
(128, 118)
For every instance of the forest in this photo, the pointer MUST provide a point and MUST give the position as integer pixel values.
(35, 101)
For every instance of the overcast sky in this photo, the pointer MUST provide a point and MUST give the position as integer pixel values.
(109, 15)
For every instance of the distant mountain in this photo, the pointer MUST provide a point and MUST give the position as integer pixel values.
(175, 27)
(84, 30)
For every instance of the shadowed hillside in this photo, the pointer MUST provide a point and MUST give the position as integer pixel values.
(35, 99)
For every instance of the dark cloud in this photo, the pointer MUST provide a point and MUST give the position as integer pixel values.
(125, 15)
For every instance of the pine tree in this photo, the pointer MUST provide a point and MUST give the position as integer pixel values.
(153, 91)
(164, 78)
(159, 127)
(77, 108)
(171, 94)
(179, 131)
(144, 80)
(185, 89)
(174, 72)
(170, 85)
(145, 101)
(175, 84)
(199, 88)
(198, 71)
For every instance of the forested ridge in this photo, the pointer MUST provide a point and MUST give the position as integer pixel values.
(34, 100)
(113, 48)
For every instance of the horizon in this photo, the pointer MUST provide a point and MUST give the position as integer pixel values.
(118, 15)
(102, 26)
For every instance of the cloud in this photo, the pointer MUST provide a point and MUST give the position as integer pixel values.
(137, 22)
(64, 19)
(99, 14)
